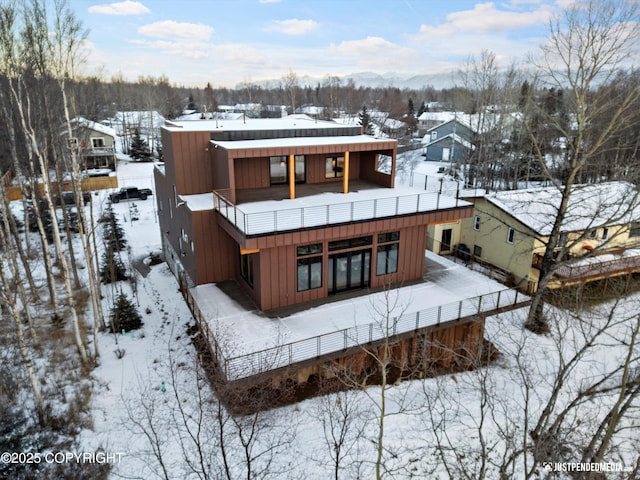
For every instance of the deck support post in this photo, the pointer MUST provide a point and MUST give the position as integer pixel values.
(292, 177)
(345, 172)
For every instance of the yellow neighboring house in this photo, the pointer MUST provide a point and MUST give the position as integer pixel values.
(600, 236)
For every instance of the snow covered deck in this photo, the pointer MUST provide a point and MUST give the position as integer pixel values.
(329, 208)
(252, 343)
(605, 265)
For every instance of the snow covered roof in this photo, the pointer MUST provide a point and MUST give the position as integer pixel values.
(98, 127)
(290, 122)
(590, 206)
(301, 142)
(452, 136)
(146, 119)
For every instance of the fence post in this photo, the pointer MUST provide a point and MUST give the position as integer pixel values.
(370, 332)
(417, 320)
(515, 299)
(290, 353)
(327, 222)
(479, 304)
(375, 208)
(319, 345)
(397, 205)
(425, 182)
(345, 338)
(498, 301)
(439, 313)
(459, 310)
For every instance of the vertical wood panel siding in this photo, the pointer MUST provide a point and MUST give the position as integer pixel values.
(193, 170)
(216, 253)
(252, 172)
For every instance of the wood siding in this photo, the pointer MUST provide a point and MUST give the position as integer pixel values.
(275, 281)
(188, 161)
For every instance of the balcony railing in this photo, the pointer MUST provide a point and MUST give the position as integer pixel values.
(281, 220)
(89, 151)
(595, 266)
(360, 335)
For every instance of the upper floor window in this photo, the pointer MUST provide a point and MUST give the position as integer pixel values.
(476, 223)
(309, 268)
(334, 167)
(387, 259)
(605, 233)
(634, 231)
(510, 235)
(434, 136)
(97, 142)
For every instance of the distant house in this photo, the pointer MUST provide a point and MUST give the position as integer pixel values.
(601, 233)
(451, 141)
(95, 144)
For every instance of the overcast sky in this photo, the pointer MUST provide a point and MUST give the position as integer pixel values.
(225, 42)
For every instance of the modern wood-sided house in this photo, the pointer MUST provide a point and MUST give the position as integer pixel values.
(293, 209)
(95, 143)
(450, 141)
(600, 237)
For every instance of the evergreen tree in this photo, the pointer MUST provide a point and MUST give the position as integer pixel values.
(111, 267)
(364, 120)
(411, 111)
(192, 103)
(112, 231)
(124, 315)
(139, 149)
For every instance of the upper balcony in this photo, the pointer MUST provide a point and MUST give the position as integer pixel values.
(94, 151)
(263, 211)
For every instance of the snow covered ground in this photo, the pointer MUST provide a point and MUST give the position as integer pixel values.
(149, 404)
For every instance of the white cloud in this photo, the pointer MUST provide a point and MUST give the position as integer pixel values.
(121, 8)
(374, 52)
(293, 26)
(173, 30)
(190, 50)
(486, 18)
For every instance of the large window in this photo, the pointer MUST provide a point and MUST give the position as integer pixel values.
(309, 267)
(476, 223)
(301, 168)
(388, 249)
(634, 231)
(334, 167)
(278, 170)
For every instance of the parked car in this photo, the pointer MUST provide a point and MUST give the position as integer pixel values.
(70, 198)
(126, 193)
